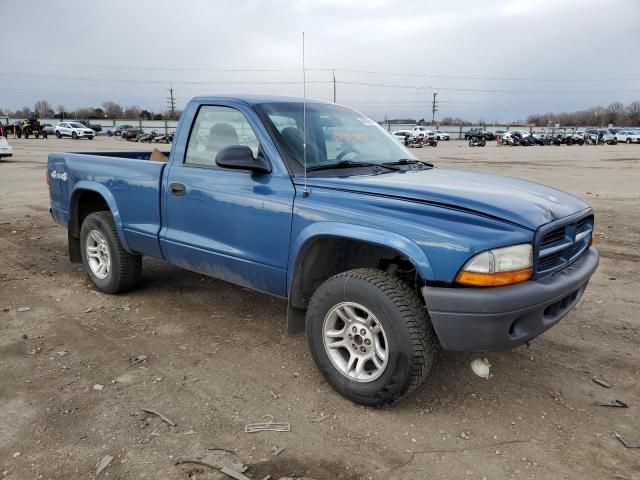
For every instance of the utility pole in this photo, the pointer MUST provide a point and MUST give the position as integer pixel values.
(334, 85)
(171, 103)
(434, 109)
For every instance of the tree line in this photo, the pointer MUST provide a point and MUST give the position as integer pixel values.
(108, 110)
(615, 113)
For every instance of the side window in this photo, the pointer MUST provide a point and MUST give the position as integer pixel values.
(214, 129)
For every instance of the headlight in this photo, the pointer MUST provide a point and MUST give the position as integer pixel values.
(500, 266)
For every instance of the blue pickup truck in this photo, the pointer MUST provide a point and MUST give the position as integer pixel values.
(383, 258)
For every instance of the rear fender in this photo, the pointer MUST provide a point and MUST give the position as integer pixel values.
(85, 185)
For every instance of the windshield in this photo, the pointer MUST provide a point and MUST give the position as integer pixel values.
(76, 125)
(334, 134)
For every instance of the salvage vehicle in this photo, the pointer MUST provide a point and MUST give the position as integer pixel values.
(74, 130)
(628, 136)
(382, 258)
(31, 126)
(118, 130)
(96, 127)
(5, 148)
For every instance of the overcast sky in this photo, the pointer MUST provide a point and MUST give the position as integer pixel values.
(486, 59)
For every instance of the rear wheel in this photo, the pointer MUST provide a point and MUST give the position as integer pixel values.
(26, 133)
(109, 266)
(370, 336)
(483, 142)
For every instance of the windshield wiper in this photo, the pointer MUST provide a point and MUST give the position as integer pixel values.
(350, 164)
(408, 161)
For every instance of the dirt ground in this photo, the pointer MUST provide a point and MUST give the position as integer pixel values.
(219, 358)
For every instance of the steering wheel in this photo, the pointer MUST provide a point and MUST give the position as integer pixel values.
(346, 152)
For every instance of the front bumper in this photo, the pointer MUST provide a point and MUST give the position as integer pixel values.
(502, 318)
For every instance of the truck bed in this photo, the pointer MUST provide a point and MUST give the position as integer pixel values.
(130, 183)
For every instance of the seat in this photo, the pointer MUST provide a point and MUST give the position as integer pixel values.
(221, 135)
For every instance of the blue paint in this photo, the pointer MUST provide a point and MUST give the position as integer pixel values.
(250, 228)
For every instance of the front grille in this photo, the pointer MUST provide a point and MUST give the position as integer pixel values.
(552, 237)
(560, 243)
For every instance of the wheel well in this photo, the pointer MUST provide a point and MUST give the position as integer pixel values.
(83, 203)
(327, 256)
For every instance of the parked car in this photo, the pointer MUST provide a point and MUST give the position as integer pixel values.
(15, 127)
(442, 136)
(420, 131)
(628, 136)
(131, 133)
(403, 136)
(117, 130)
(479, 132)
(383, 258)
(74, 130)
(47, 128)
(96, 127)
(5, 148)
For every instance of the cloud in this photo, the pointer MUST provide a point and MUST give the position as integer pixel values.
(510, 58)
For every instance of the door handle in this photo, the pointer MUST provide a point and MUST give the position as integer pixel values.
(177, 189)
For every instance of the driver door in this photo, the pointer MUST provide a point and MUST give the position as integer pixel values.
(230, 224)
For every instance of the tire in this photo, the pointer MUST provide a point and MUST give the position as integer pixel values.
(123, 269)
(19, 134)
(628, 140)
(74, 135)
(37, 135)
(26, 133)
(45, 134)
(483, 142)
(90, 138)
(406, 333)
(58, 134)
(471, 143)
(614, 141)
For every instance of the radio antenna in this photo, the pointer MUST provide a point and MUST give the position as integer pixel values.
(304, 121)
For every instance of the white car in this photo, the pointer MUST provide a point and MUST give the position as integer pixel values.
(5, 148)
(419, 131)
(629, 136)
(402, 135)
(74, 130)
(442, 136)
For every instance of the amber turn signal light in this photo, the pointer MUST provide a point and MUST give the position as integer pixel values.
(497, 279)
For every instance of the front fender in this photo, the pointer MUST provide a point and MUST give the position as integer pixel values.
(392, 240)
(85, 185)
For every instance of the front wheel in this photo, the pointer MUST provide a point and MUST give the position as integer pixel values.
(58, 134)
(483, 142)
(109, 266)
(74, 135)
(370, 336)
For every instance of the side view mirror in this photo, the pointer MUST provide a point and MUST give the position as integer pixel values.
(240, 157)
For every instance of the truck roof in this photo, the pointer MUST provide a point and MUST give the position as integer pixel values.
(255, 99)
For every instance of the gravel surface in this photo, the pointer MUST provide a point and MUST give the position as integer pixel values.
(218, 358)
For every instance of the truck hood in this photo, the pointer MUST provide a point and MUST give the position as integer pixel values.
(524, 203)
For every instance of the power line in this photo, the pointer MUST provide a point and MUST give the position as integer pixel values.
(180, 82)
(477, 90)
(333, 70)
(474, 77)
